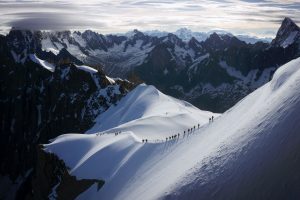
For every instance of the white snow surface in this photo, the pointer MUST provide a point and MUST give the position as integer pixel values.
(48, 46)
(43, 63)
(290, 39)
(146, 107)
(87, 68)
(111, 80)
(251, 141)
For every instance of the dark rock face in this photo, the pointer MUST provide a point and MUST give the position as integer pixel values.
(37, 104)
(287, 34)
(51, 179)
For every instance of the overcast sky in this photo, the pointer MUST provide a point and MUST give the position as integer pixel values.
(253, 17)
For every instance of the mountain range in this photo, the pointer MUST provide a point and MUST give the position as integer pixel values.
(186, 34)
(213, 73)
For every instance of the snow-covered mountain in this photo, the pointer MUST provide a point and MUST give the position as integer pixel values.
(212, 74)
(253, 39)
(187, 34)
(249, 152)
(288, 34)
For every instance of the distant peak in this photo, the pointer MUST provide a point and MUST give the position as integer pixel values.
(172, 36)
(288, 20)
(214, 35)
(135, 33)
(184, 30)
(193, 39)
(287, 34)
(288, 24)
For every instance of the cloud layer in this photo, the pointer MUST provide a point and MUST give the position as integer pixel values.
(254, 17)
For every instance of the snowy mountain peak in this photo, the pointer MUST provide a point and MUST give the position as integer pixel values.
(184, 33)
(175, 39)
(287, 34)
(214, 40)
(215, 36)
(287, 26)
(147, 104)
(194, 41)
(184, 30)
(288, 22)
(135, 33)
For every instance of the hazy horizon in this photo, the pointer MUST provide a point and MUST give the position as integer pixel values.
(259, 18)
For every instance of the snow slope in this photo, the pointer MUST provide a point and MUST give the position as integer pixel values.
(290, 39)
(42, 63)
(150, 114)
(250, 152)
(87, 68)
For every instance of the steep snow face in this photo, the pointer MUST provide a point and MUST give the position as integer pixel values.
(251, 78)
(56, 41)
(48, 46)
(250, 152)
(125, 55)
(87, 68)
(111, 80)
(287, 34)
(43, 63)
(186, 34)
(257, 153)
(290, 39)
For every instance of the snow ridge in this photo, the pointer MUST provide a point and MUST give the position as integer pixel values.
(43, 63)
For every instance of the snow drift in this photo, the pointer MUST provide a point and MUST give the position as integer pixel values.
(250, 152)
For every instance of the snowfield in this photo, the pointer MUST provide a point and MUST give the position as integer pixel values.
(250, 152)
(42, 63)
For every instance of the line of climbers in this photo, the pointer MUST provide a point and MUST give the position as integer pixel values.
(184, 132)
(211, 119)
(117, 133)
